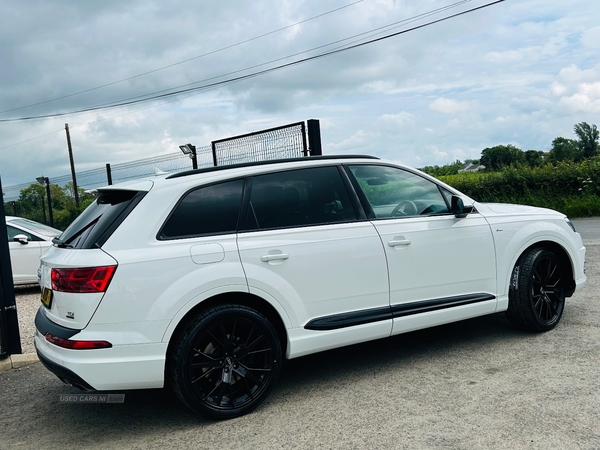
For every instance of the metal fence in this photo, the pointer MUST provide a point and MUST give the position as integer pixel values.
(287, 141)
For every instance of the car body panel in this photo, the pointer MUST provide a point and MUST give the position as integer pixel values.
(24, 260)
(68, 309)
(329, 269)
(443, 256)
(517, 227)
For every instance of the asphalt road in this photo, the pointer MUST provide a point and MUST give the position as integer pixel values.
(477, 384)
(589, 228)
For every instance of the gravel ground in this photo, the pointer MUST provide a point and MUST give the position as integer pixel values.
(28, 302)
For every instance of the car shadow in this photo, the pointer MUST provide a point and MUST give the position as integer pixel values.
(149, 411)
(27, 289)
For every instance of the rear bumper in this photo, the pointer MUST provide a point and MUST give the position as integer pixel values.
(117, 368)
(65, 375)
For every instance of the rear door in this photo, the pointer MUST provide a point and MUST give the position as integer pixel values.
(302, 244)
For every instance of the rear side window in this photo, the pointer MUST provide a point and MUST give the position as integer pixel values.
(207, 210)
(298, 198)
(97, 223)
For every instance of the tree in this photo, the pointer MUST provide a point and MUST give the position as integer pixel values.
(534, 158)
(564, 149)
(588, 139)
(33, 203)
(495, 158)
(447, 169)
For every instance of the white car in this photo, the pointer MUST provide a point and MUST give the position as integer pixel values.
(27, 241)
(206, 280)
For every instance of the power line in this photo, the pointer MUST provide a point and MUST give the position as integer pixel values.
(153, 95)
(184, 61)
(170, 92)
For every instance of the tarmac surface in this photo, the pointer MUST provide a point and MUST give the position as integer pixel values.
(469, 385)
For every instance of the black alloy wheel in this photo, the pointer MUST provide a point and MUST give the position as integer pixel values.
(226, 362)
(537, 293)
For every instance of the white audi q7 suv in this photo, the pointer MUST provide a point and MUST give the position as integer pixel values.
(206, 280)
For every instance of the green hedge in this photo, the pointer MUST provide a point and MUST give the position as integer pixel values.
(572, 188)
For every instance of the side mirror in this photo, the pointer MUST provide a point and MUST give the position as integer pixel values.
(458, 207)
(21, 238)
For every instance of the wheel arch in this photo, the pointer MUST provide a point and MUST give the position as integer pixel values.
(563, 257)
(231, 298)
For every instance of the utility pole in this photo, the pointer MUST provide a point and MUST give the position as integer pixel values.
(75, 190)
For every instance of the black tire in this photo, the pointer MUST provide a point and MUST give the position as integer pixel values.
(225, 361)
(536, 296)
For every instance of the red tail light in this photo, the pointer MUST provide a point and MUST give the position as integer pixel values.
(88, 279)
(77, 345)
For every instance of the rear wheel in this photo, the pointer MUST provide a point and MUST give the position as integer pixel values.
(226, 361)
(537, 293)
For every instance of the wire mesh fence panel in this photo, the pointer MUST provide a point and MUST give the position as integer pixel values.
(288, 141)
(169, 163)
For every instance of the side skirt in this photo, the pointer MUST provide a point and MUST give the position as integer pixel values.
(353, 318)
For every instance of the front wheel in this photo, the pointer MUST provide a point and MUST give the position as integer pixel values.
(226, 361)
(537, 293)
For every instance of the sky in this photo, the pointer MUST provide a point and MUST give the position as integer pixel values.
(519, 72)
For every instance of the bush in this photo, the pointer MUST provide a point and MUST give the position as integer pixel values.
(572, 188)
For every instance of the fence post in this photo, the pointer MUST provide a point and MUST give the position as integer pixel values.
(314, 137)
(10, 339)
(108, 174)
(44, 209)
(304, 145)
(214, 152)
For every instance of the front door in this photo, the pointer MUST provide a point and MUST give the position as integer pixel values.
(441, 268)
(24, 256)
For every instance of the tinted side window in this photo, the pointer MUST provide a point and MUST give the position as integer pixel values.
(299, 198)
(206, 210)
(393, 192)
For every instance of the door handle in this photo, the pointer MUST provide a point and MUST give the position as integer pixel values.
(398, 242)
(274, 257)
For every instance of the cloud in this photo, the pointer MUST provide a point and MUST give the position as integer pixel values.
(449, 106)
(578, 90)
(401, 119)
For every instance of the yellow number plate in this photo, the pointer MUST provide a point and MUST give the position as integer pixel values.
(47, 297)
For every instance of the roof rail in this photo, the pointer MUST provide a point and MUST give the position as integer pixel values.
(270, 161)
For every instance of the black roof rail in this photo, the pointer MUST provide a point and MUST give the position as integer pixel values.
(270, 161)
